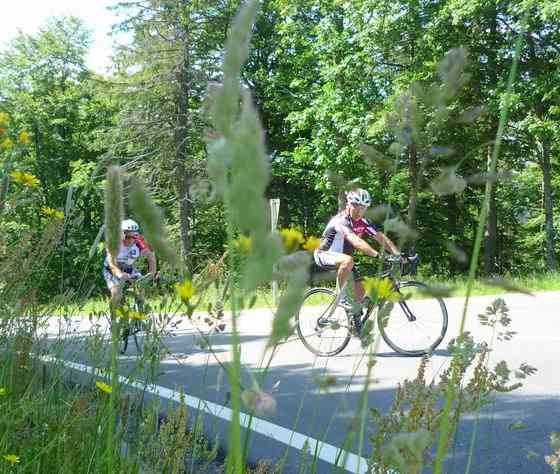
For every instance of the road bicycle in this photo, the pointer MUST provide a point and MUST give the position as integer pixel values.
(133, 321)
(414, 325)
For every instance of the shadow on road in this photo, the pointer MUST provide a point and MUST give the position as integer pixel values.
(328, 413)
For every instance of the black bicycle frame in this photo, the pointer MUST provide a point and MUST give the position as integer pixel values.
(402, 303)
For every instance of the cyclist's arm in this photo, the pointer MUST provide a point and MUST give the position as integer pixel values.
(147, 252)
(152, 262)
(115, 270)
(386, 242)
(361, 245)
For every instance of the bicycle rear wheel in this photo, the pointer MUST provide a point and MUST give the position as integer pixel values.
(424, 332)
(323, 328)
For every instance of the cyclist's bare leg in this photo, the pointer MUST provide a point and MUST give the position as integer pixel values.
(359, 291)
(344, 271)
(116, 294)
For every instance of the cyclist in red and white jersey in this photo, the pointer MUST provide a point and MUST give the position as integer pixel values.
(120, 267)
(343, 234)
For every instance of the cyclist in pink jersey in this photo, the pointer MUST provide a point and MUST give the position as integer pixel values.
(120, 267)
(343, 234)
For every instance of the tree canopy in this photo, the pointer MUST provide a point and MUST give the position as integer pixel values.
(402, 98)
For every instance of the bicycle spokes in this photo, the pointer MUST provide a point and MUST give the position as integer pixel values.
(414, 325)
(322, 325)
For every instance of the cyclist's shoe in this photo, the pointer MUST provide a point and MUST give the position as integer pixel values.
(356, 325)
(354, 312)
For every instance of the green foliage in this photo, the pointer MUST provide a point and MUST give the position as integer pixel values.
(405, 434)
(327, 79)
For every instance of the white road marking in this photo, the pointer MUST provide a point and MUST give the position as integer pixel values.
(325, 451)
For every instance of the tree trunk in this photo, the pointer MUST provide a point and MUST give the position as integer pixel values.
(452, 210)
(490, 245)
(181, 173)
(544, 162)
(491, 237)
(413, 195)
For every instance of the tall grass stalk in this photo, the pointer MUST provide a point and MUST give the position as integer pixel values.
(113, 218)
(114, 210)
(236, 167)
(446, 424)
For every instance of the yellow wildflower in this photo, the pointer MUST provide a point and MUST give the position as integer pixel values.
(104, 387)
(27, 179)
(292, 238)
(381, 288)
(4, 118)
(127, 313)
(243, 243)
(11, 458)
(7, 144)
(312, 244)
(3, 391)
(185, 290)
(50, 212)
(24, 137)
(137, 315)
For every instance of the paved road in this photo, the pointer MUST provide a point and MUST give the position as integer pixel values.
(294, 371)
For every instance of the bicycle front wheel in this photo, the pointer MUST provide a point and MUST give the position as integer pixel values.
(322, 327)
(417, 324)
(140, 336)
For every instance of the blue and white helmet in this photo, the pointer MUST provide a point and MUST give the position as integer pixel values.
(358, 196)
(128, 225)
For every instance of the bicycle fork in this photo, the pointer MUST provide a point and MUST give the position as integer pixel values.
(403, 304)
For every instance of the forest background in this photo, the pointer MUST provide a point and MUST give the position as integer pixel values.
(356, 91)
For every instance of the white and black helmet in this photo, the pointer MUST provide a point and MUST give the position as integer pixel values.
(128, 225)
(358, 196)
